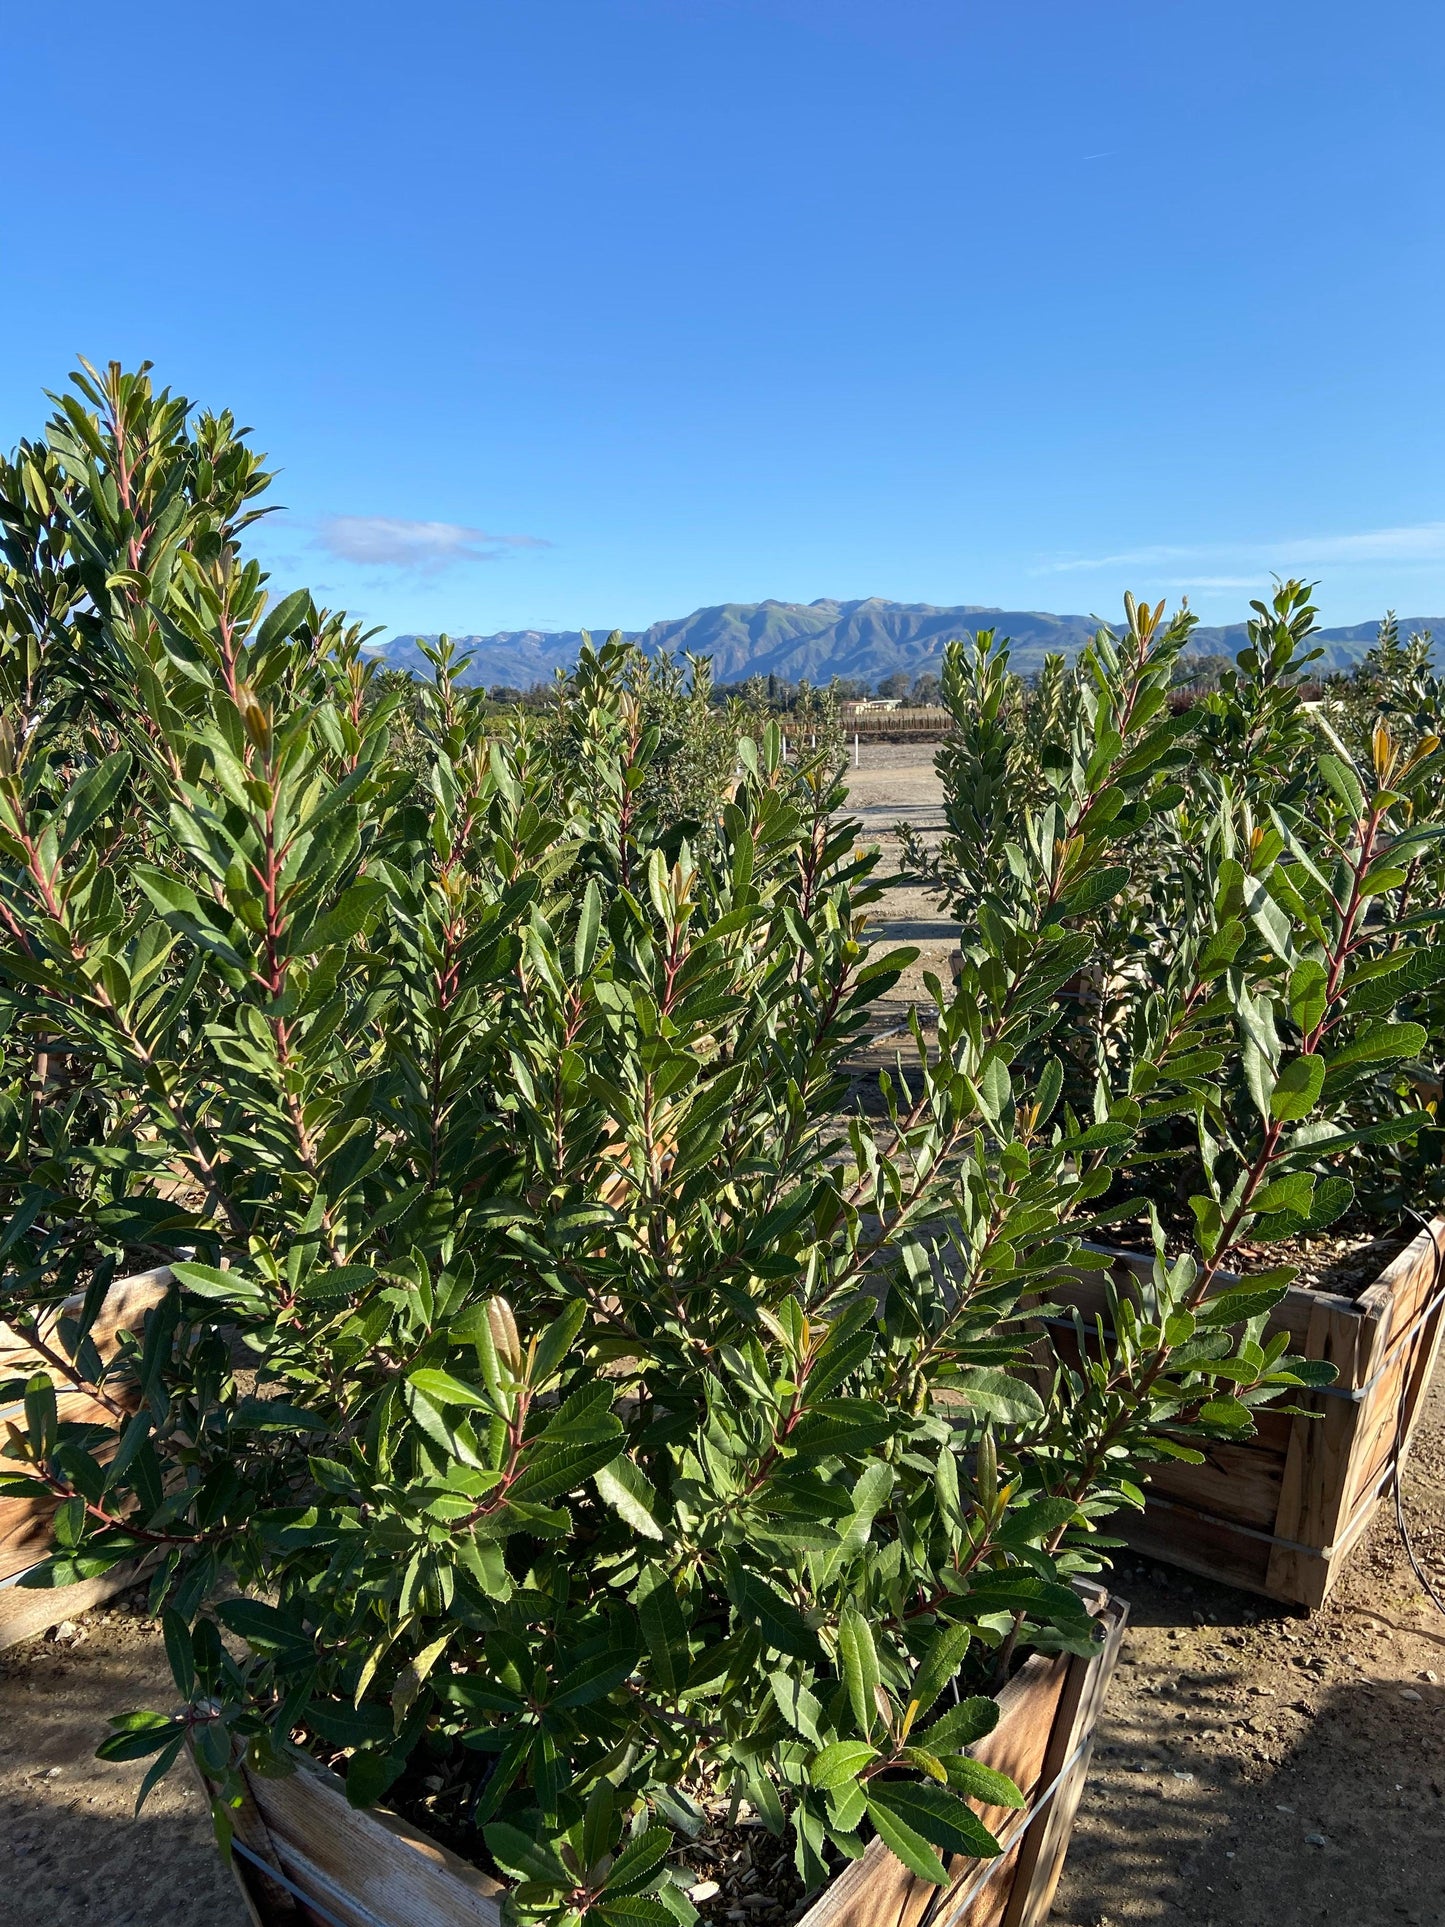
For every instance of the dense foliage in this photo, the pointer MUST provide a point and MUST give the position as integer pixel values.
(561, 1377)
(1298, 842)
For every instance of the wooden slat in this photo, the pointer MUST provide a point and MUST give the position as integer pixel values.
(871, 1892)
(1313, 1481)
(24, 1611)
(25, 1523)
(1244, 1477)
(1312, 1505)
(365, 1867)
(122, 1309)
(25, 1536)
(1047, 1710)
(1426, 1352)
(1071, 1749)
(1197, 1542)
(1029, 1708)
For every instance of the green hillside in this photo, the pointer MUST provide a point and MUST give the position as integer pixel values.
(866, 640)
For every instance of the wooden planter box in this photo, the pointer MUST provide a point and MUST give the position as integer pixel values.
(25, 1523)
(1280, 1513)
(304, 1858)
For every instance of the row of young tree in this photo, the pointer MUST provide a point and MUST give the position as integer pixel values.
(561, 1385)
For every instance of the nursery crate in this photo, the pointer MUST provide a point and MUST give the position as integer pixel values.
(25, 1523)
(304, 1858)
(1280, 1513)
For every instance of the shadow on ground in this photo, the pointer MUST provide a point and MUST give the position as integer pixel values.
(1256, 1767)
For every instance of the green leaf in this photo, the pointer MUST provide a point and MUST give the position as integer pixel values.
(589, 921)
(910, 1846)
(594, 1679)
(797, 1705)
(519, 1853)
(1345, 784)
(835, 1765)
(1297, 1088)
(136, 1735)
(445, 1389)
(626, 1488)
(1307, 985)
(92, 796)
(860, 1666)
(663, 1628)
(348, 917)
(940, 1663)
(1380, 1044)
(285, 618)
(1006, 1400)
(638, 1861)
(339, 1281)
(266, 1629)
(778, 1619)
(978, 1782)
(207, 1281)
(935, 1814)
(1271, 922)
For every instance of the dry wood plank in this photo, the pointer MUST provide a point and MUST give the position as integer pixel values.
(1426, 1355)
(1071, 1747)
(364, 1866)
(1411, 1276)
(1241, 1479)
(25, 1523)
(1019, 1746)
(1313, 1499)
(1042, 1718)
(1199, 1542)
(368, 1868)
(871, 1892)
(1088, 1290)
(26, 1611)
(879, 1891)
(1313, 1483)
(122, 1309)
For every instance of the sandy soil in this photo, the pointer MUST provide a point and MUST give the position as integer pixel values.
(71, 1855)
(1256, 1767)
(1253, 1766)
(893, 782)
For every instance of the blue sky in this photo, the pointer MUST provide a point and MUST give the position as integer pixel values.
(560, 312)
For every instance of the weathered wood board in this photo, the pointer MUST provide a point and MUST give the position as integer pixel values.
(1280, 1513)
(25, 1523)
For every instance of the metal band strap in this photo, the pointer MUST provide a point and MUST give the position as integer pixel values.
(1358, 1519)
(323, 1912)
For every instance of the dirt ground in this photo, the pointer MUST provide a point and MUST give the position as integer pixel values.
(1254, 1768)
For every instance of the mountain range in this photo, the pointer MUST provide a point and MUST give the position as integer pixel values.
(866, 640)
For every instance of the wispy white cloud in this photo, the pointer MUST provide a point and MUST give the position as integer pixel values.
(1419, 542)
(1207, 582)
(393, 542)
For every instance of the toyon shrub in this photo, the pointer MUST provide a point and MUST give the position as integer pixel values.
(1264, 945)
(560, 1381)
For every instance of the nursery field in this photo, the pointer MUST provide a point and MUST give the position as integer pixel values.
(1253, 1765)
